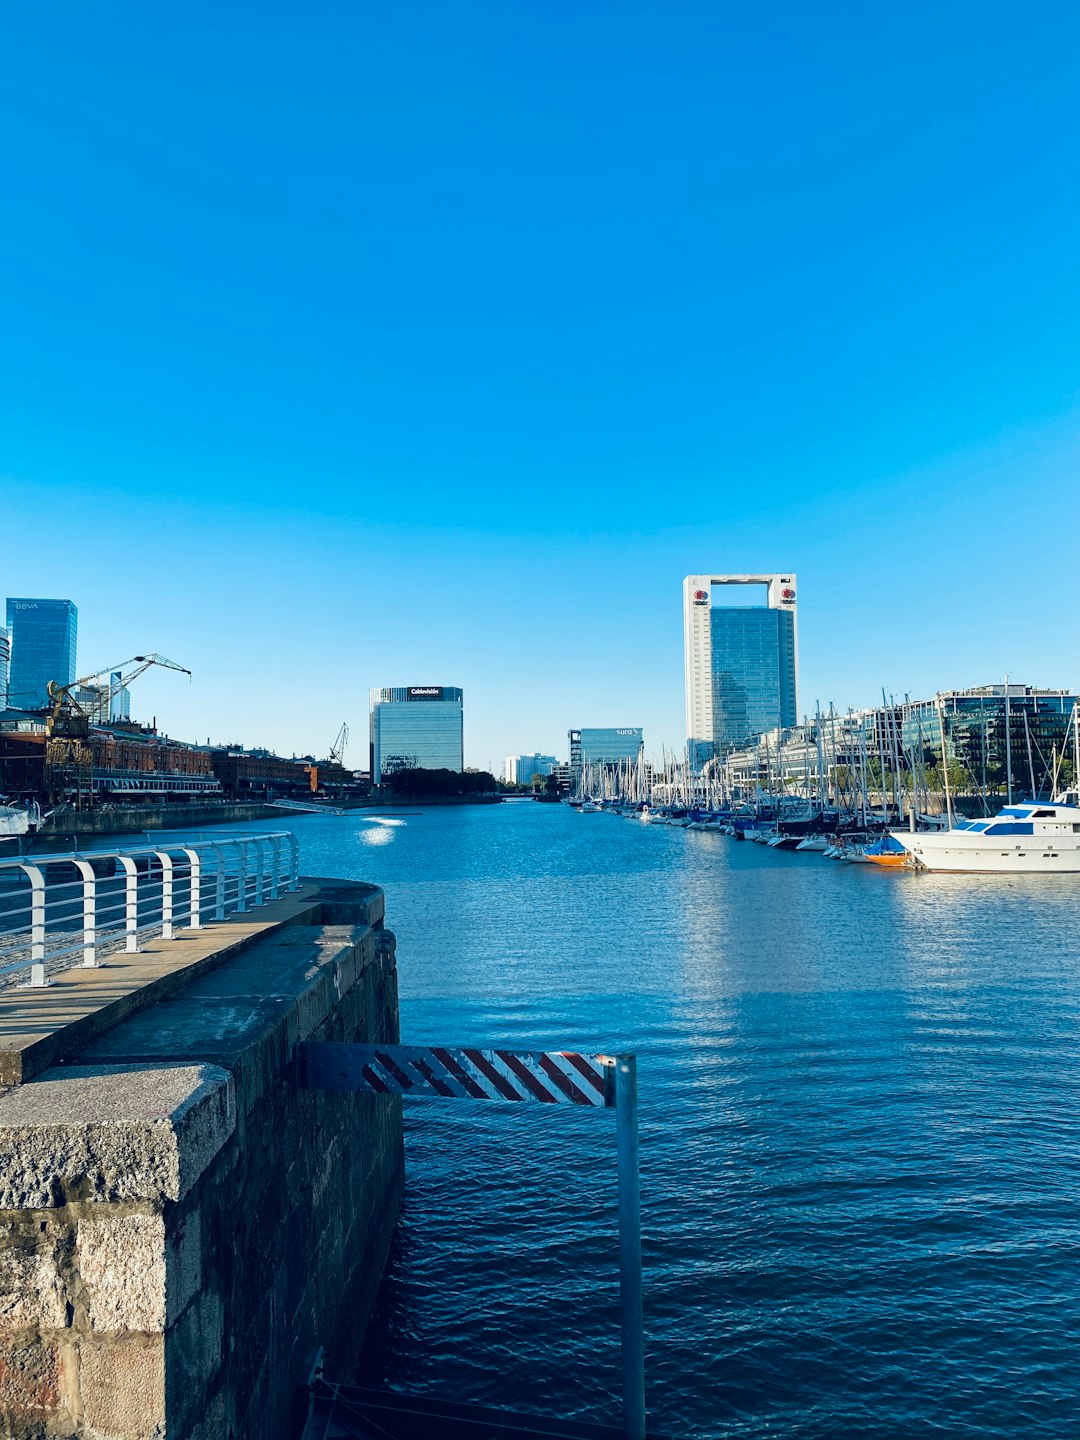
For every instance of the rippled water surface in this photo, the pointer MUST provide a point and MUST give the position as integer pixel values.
(860, 1159)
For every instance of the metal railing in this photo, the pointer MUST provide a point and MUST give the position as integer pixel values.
(62, 910)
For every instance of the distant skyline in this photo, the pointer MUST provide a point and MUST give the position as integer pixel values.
(435, 345)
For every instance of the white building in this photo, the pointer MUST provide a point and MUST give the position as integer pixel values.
(520, 769)
(741, 660)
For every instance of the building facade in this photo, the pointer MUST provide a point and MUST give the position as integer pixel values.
(741, 662)
(43, 636)
(520, 769)
(1001, 739)
(5, 659)
(605, 745)
(416, 727)
(105, 704)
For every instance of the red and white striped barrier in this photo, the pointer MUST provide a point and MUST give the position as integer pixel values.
(552, 1077)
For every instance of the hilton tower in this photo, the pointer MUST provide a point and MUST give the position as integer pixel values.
(742, 661)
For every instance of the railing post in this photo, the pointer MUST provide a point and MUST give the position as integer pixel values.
(89, 879)
(294, 860)
(131, 902)
(195, 901)
(166, 894)
(275, 868)
(219, 882)
(37, 924)
(241, 880)
(260, 870)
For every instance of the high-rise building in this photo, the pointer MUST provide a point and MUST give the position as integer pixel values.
(416, 727)
(43, 637)
(742, 661)
(5, 658)
(606, 745)
(119, 698)
(520, 769)
(105, 704)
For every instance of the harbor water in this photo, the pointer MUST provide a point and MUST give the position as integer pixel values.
(860, 1128)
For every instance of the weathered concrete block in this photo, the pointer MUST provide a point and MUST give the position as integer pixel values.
(183, 1262)
(32, 1291)
(121, 1260)
(181, 1222)
(196, 1345)
(30, 1378)
(122, 1388)
(217, 1421)
(111, 1132)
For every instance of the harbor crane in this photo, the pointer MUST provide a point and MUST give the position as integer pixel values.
(337, 750)
(68, 720)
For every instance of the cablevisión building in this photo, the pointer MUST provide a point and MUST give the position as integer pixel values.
(416, 727)
(741, 662)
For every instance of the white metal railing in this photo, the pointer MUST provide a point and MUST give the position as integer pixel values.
(63, 910)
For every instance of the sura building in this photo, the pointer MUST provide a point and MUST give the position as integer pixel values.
(742, 660)
(416, 727)
(609, 746)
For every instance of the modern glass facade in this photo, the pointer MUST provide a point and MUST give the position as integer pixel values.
(606, 745)
(753, 672)
(976, 723)
(43, 638)
(416, 727)
(741, 659)
(520, 769)
(5, 657)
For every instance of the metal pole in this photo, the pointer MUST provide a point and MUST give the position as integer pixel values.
(633, 1321)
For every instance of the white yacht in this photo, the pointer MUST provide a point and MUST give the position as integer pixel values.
(1032, 838)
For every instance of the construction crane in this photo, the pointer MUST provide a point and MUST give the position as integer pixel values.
(69, 721)
(337, 750)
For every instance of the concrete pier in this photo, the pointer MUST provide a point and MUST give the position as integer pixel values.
(180, 1224)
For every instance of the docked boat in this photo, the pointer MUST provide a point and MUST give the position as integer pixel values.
(18, 820)
(1032, 838)
(887, 854)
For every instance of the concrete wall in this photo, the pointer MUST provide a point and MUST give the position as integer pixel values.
(180, 1223)
(133, 819)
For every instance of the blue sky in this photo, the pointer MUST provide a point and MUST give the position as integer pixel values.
(435, 343)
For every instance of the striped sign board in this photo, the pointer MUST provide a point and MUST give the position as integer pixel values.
(552, 1077)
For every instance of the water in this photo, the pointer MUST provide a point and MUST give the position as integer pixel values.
(860, 1158)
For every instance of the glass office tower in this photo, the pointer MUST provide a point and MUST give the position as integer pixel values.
(5, 657)
(416, 727)
(604, 745)
(741, 663)
(43, 636)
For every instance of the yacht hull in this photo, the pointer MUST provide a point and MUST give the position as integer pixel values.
(948, 852)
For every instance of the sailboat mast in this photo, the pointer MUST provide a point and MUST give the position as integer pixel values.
(1031, 763)
(944, 762)
(1008, 742)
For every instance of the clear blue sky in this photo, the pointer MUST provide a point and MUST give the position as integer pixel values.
(356, 344)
